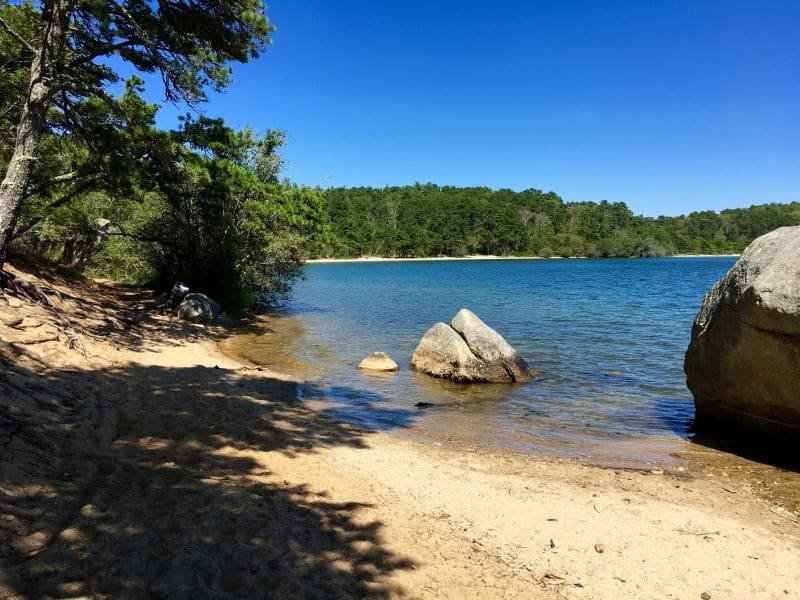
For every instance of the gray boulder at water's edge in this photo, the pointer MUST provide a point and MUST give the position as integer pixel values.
(469, 351)
(198, 308)
(743, 362)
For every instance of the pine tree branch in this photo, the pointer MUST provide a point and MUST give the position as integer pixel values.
(23, 42)
(20, 231)
(83, 183)
(72, 176)
(78, 189)
(144, 39)
(141, 238)
(98, 52)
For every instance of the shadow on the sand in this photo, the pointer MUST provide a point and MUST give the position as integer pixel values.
(165, 490)
(679, 416)
(754, 449)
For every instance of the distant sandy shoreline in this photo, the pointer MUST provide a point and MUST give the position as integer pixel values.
(478, 257)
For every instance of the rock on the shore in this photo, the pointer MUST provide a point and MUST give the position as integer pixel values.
(743, 362)
(199, 308)
(469, 351)
(378, 361)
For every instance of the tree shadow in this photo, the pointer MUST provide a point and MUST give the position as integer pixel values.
(127, 316)
(153, 482)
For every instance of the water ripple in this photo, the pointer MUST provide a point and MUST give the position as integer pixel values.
(608, 335)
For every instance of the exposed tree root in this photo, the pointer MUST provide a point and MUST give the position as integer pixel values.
(26, 289)
(29, 290)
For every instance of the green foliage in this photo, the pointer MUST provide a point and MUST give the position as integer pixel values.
(55, 74)
(428, 220)
(219, 221)
(14, 63)
(202, 204)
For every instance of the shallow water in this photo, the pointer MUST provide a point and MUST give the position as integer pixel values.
(609, 337)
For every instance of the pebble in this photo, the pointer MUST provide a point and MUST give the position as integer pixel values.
(705, 596)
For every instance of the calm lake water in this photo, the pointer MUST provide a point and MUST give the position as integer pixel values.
(609, 337)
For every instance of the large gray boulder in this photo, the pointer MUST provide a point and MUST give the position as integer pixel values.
(489, 346)
(743, 362)
(469, 351)
(198, 308)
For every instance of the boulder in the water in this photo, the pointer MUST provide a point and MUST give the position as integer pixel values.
(743, 362)
(469, 351)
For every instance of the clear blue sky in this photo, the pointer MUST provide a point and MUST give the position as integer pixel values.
(669, 106)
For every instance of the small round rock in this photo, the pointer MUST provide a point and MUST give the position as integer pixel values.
(378, 361)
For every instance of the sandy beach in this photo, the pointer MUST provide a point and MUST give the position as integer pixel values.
(363, 259)
(138, 461)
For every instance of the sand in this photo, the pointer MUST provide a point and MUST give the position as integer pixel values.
(479, 257)
(143, 463)
(377, 259)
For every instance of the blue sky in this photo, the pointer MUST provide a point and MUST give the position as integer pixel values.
(668, 106)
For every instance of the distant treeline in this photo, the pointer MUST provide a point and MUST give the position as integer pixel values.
(429, 220)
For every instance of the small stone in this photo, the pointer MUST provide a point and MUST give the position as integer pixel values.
(378, 361)
(705, 596)
(599, 548)
(71, 534)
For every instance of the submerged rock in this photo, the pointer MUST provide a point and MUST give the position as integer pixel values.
(199, 308)
(743, 362)
(378, 361)
(469, 351)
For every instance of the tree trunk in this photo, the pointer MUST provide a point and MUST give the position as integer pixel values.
(32, 120)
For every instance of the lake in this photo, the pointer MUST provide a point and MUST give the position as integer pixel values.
(608, 335)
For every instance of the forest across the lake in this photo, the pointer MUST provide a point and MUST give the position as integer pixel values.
(433, 220)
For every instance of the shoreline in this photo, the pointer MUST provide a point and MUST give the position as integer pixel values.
(671, 454)
(480, 257)
(149, 463)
